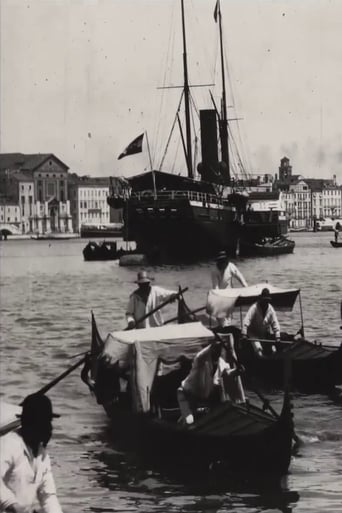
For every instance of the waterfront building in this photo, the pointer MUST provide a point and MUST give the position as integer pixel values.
(307, 200)
(38, 185)
(88, 196)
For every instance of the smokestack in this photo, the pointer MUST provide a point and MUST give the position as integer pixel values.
(208, 168)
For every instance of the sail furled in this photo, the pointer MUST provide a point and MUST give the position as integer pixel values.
(134, 147)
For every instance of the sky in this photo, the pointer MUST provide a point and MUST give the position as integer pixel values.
(80, 79)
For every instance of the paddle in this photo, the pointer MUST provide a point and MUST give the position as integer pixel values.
(265, 401)
(164, 303)
(16, 423)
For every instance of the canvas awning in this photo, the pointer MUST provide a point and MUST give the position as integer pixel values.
(144, 347)
(221, 302)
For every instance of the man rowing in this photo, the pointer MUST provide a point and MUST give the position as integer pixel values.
(145, 299)
(222, 278)
(26, 475)
(261, 321)
(214, 377)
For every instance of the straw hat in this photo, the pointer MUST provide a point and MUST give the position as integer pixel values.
(221, 256)
(265, 294)
(143, 277)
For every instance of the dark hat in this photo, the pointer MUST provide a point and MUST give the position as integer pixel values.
(143, 277)
(36, 407)
(221, 256)
(265, 294)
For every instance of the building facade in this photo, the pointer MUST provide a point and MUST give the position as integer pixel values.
(308, 200)
(38, 184)
(88, 196)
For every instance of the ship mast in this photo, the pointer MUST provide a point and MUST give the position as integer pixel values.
(187, 101)
(223, 122)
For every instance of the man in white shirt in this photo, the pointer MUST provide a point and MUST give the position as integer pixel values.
(209, 372)
(261, 321)
(27, 482)
(145, 299)
(222, 278)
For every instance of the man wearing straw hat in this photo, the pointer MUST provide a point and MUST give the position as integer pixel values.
(26, 476)
(145, 299)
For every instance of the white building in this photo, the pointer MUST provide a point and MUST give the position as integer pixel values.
(89, 202)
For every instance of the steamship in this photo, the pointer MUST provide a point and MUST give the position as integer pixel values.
(180, 218)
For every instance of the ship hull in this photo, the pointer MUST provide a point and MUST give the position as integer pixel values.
(181, 230)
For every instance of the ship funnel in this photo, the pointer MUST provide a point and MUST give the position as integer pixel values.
(209, 168)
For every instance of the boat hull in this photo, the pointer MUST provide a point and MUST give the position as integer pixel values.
(180, 231)
(266, 250)
(242, 438)
(313, 368)
(336, 244)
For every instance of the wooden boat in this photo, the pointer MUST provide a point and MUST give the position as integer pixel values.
(274, 247)
(243, 437)
(315, 366)
(336, 244)
(55, 236)
(107, 250)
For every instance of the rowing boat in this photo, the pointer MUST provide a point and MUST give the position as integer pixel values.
(145, 415)
(315, 367)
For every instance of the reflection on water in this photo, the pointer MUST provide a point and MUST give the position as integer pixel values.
(46, 295)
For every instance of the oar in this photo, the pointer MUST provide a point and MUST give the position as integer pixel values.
(190, 312)
(164, 303)
(16, 423)
(265, 401)
(85, 371)
(289, 342)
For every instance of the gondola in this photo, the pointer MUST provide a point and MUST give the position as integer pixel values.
(107, 250)
(336, 244)
(279, 246)
(146, 418)
(315, 366)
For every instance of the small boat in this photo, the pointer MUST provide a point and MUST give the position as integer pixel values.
(269, 247)
(55, 236)
(146, 417)
(336, 244)
(315, 366)
(107, 250)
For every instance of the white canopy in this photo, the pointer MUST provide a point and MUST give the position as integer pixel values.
(142, 348)
(221, 302)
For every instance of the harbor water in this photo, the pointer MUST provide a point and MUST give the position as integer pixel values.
(47, 294)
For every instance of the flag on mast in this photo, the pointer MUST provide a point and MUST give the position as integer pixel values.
(134, 147)
(217, 10)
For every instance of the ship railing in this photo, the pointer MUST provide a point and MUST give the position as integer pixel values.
(201, 197)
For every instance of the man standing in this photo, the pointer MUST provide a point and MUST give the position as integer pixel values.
(222, 278)
(26, 475)
(261, 321)
(145, 299)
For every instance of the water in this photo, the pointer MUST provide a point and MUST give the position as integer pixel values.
(47, 293)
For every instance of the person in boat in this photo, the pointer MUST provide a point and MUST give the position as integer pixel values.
(337, 231)
(261, 322)
(222, 278)
(145, 299)
(214, 377)
(26, 475)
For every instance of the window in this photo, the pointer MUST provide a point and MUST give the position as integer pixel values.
(51, 188)
(85, 204)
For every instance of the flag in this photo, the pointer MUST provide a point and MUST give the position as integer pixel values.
(216, 11)
(134, 147)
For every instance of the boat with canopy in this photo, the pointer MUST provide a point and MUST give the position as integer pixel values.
(315, 367)
(144, 413)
